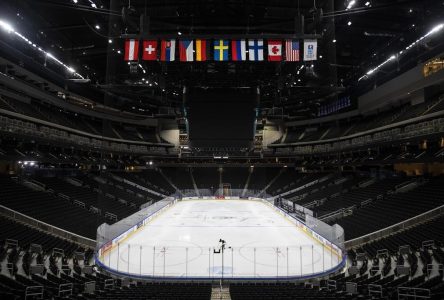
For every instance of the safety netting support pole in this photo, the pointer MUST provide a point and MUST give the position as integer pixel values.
(254, 261)
(232, 262)
(164, 258)
(118, 255)
(186, 262)
(128, 261)
(312, 259)
(323, 258)
(277, 262)
(287, 264)
(300, 257)
(154, 260)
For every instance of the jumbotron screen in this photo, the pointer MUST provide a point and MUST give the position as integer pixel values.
(221, 117)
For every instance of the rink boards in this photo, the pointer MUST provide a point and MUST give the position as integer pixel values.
(332, 257)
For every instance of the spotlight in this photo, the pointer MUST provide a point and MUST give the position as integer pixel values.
(6, 26)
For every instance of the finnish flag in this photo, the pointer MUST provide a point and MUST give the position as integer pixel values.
(256, 50)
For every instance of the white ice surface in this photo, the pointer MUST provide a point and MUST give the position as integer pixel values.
(180, 242)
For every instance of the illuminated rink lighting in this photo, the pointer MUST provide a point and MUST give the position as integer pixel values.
(182, 242)
(434, 30)
(10, 29)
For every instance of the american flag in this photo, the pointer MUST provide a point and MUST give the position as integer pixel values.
(292, 50)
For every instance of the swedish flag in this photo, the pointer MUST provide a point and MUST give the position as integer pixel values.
(221, 50)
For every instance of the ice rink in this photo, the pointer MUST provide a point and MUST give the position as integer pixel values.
(181, 242)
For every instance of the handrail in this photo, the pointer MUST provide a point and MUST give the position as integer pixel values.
(49, 228)
(363, 133)
(72, 130)
(388, 230)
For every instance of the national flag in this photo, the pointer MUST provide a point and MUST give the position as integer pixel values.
(167, 50)
(238, 50)
(310, 50)
(274, 50)
(221, 50)
(292, 50)
(201, 50)
(149, 50)
(256, 50)
(186, 50)
(131, 50)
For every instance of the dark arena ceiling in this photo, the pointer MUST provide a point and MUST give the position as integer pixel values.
(353, 36)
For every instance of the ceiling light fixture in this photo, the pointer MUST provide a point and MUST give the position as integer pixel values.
(434, 30)
(351, 4)
(6, 26)
(9, 29)
(93, 5)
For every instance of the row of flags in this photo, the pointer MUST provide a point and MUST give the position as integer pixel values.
(240, 50)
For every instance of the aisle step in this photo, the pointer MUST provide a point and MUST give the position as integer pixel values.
(220, 292)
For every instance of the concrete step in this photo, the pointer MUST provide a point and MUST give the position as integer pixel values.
(220, 293)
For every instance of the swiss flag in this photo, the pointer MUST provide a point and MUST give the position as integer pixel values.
(274, 50)
(149, 50)
(131, 50)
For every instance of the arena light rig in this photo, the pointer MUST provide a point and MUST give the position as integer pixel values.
(434, 30)
(8, 28)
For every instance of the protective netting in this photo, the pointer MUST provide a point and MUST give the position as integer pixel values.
(120, 254)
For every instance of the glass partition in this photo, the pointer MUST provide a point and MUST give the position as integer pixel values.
(119, 254)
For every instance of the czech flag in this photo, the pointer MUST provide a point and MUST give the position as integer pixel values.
(186, 50)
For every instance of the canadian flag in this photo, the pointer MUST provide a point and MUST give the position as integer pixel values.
(149, 50)
(131, 50)
(274, 50)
